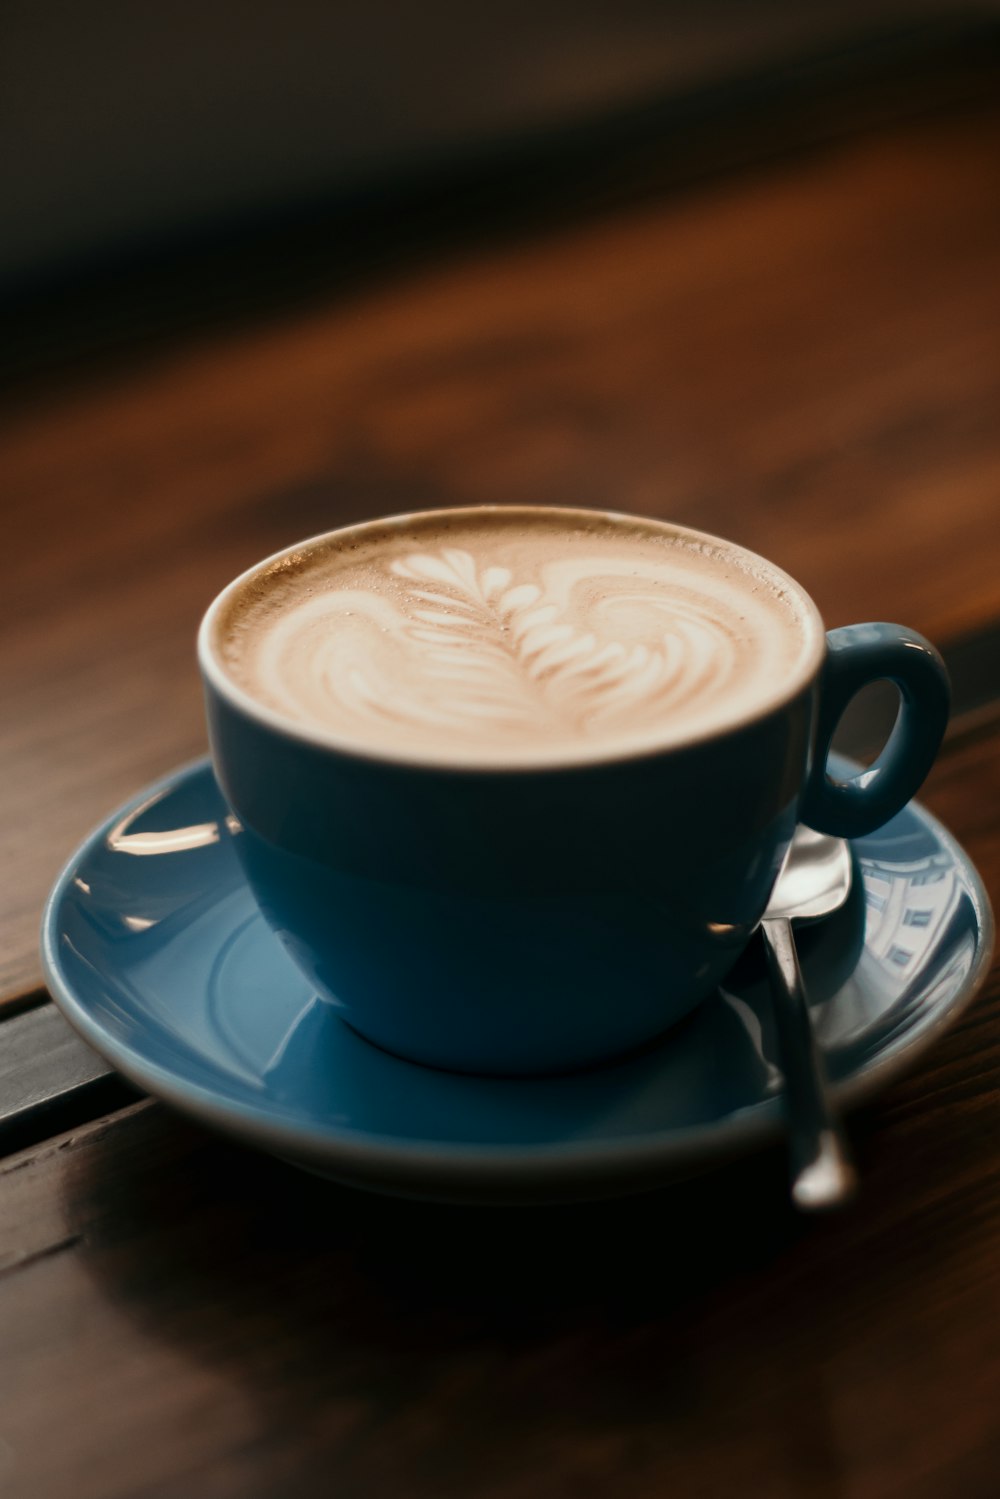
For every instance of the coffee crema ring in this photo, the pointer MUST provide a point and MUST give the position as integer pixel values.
(526, 641)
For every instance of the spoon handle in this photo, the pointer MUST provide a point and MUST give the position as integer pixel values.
(823, 1175)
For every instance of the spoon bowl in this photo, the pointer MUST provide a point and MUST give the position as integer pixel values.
(815, 880)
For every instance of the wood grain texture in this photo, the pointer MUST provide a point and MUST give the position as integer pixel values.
(177, 1316)
(807, 361)
(50, 1079)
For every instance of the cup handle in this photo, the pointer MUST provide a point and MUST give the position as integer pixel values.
(857, 655)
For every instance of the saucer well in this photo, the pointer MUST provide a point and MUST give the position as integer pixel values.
(154, 950)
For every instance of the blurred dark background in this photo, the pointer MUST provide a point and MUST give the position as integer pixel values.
(168, 162)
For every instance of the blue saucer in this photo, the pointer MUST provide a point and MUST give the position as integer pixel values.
(153, 949)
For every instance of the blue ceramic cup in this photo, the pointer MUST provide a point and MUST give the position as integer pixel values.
(519, 919)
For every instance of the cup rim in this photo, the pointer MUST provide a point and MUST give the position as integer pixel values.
(216, 677)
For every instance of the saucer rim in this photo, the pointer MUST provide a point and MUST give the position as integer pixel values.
(356, 1156)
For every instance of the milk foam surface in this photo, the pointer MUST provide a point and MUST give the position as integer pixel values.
(514, 637)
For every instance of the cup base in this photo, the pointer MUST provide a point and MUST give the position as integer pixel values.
(528, 1072)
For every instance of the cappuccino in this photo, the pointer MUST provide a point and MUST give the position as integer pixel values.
(516, 636)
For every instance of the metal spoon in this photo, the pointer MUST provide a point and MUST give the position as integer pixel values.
(815, 881)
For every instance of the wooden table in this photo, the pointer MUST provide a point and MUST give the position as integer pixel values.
(805, 357)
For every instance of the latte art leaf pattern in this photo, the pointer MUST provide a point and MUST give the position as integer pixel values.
(501, 651)
(505, 641)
